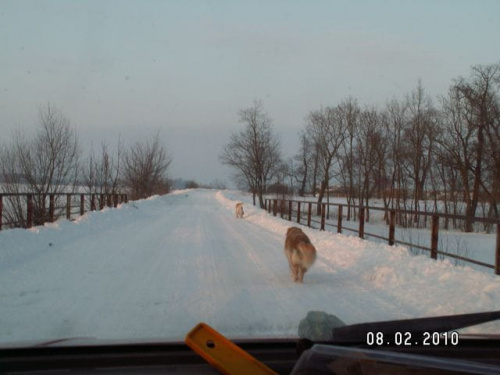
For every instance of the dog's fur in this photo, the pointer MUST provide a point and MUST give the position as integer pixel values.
(239, 210)
(300, 253)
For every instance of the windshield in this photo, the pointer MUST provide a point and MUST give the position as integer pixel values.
(131, 131)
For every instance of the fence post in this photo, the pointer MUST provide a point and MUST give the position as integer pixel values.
(282, 206)
(82, 204)
(392, 226)
(1, 210)
(298, 212)
(265, 204)
(434, 236)
(51, 208)
(29, 221)
(497, 252)
(309, 207)
(322, 216)
(101, 202)
(92, 202)
(275, 206)
(68, 206)
(108, 198)
(361, 222)
(339, 220)
(290, 206)
(43, 219)
(115, 204)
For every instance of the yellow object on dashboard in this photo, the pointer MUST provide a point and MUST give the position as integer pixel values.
(222, 354)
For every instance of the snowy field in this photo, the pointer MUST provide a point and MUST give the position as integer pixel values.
(153, 269)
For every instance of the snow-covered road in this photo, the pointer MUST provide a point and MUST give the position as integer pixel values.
(153, 269)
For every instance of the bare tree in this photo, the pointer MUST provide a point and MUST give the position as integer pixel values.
(254, 153)
(482, 108)
(396, 116)
(145, 167)
(102, 173)
(419, 135)
(303, 162)
(370, 151)
(470, 126)
(350, 115)
(46, 163)
(492, 167)
(280, 187)
(447, 173)
(328, 133)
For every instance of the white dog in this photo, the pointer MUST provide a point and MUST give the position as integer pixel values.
(300, 253)
(239, 210)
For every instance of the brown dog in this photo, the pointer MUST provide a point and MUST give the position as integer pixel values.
(300, 253)
(239, 210)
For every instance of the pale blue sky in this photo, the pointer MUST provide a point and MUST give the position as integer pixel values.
(187, 67)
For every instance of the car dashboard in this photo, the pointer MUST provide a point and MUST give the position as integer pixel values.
(281, 356)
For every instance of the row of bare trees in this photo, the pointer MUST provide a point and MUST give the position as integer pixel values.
(50, 162)
(140, 170)
(414, 153)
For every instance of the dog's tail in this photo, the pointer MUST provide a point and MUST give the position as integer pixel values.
(304, 254)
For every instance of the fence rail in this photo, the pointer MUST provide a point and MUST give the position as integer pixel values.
(285, 207)
(28, 217)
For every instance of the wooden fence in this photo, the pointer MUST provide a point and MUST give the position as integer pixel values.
(49, 213)
(303, 215)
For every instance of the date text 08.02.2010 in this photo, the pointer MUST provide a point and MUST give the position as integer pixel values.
(412, 339)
